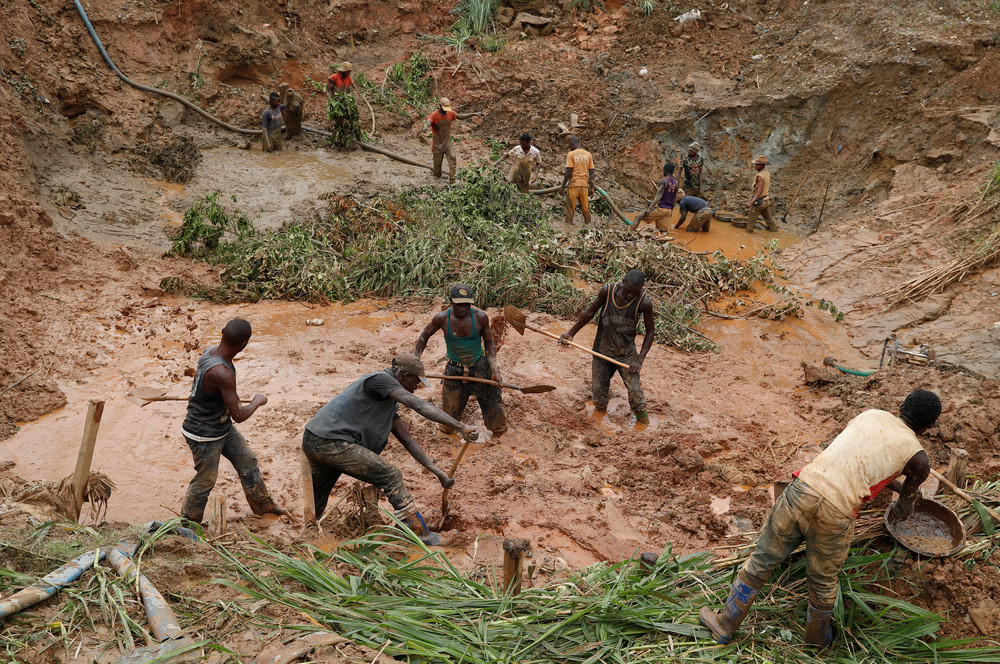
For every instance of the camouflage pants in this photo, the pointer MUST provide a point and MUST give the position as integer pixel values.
(329, 459)
(206, 465)
(801, 514)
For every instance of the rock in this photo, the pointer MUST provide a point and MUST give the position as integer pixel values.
(173, 113)
(815, 375)
(505, 16)
(939, 156)
(525, 19)
(689, 461)
(986, 615)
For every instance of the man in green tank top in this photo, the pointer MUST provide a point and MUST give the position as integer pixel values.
(471, 352)
(620, 306)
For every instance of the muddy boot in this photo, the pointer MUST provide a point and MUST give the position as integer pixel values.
(415, 522)
(256, 493)
(724, 623)
(642, 417)
(819, 632)
(268, 506)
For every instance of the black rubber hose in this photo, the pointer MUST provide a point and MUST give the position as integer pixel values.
(157, 91)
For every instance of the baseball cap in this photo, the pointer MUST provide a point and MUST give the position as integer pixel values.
(412, 365)
(445, 103)
(760, 160)
(461, 294)
(345, 66)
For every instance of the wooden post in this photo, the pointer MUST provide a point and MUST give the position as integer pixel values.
(217, 515)
(958, 466)
(308, 498)
(513, 564)
(82, 472)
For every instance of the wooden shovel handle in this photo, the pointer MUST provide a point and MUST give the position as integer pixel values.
(445, 501)
(576, 345)
(961, 494)
(471, 379)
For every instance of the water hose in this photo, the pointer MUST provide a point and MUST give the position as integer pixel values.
(157, 91)
(830, 362)
(50, 584)
(160, 616)
(614, 208)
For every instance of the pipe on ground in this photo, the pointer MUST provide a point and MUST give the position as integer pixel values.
(50, 584)
(157, 91)
(162, 620)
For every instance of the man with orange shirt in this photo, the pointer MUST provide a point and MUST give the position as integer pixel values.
(440, 123)
(341, 80)
(578, 180)
(820, 507)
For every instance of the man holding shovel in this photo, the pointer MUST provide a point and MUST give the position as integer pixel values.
(820, 507)
(348, 434)
(208, 428)
(471, 352)
(620, 306)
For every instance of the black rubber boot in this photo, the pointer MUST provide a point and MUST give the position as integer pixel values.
(819, 632)
(724, 623)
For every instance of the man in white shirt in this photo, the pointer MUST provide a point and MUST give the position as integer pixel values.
(527, 164)
(820, 507)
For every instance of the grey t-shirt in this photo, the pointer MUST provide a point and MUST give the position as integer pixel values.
(271, 118)
(361, 414)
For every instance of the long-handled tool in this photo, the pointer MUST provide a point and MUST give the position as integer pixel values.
(531, 389)
(823, 207)
(784, 217)
(147, 395)
(520, 323)
(963, 495)
(445, 495)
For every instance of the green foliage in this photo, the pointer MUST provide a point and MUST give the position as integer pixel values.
(412, 79)
(317, 86)
(497, 148)
(18, 45)
(345, 127)
(388, 591)
(195, 78)
(647, 7)
(992, 185)
(205, 225)
(476, 21)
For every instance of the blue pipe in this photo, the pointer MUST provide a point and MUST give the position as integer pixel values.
(50, 584)
(160, 616)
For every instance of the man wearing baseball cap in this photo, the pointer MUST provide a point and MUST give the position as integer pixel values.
(760, 204)
(692, 168)
(348, 434)
(471, 352)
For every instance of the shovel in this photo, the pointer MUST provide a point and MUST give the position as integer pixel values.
(519, 322)
(445, 495)
(531, 389)
(784, 217)
(146, 395)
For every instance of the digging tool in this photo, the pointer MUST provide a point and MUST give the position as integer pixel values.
(147, 395)
(963, 495)
(520, 322)
(784, 217)
(823, 207)
(531, 389)
(445, 495)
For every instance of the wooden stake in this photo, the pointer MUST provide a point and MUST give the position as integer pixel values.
(963, 495)
(217, 515)
(82, 472)
(513, 564)
(308, 497)
(958, 466)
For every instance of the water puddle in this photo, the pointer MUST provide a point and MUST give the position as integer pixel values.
(720, 505)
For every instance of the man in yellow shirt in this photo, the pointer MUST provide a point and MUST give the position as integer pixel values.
(820, 507)
(578, 180)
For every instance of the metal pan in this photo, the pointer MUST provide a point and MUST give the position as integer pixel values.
(725, 216)
(740, 221)
(932, 530)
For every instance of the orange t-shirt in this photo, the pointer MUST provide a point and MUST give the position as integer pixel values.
(340, 81)
(581, 162)
(441, 126)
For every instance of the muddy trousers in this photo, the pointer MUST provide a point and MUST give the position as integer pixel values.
(764, 212)
(439, 155)
(801, 514)
(272, 140)
(519, 174)
(573, 196)
(331, 458)
(206, 465)
(601, 373)
(455, 394)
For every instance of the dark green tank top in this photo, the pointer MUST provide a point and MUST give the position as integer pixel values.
(463, 350)
(617, 328)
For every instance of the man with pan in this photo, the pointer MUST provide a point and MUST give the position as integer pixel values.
(819, 507)
(471, 352)
(620, 306)
(348, 435)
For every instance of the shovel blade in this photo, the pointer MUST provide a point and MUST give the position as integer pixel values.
(537, 389)
(515, 318)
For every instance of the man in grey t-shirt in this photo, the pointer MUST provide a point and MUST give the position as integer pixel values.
(348, 434)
